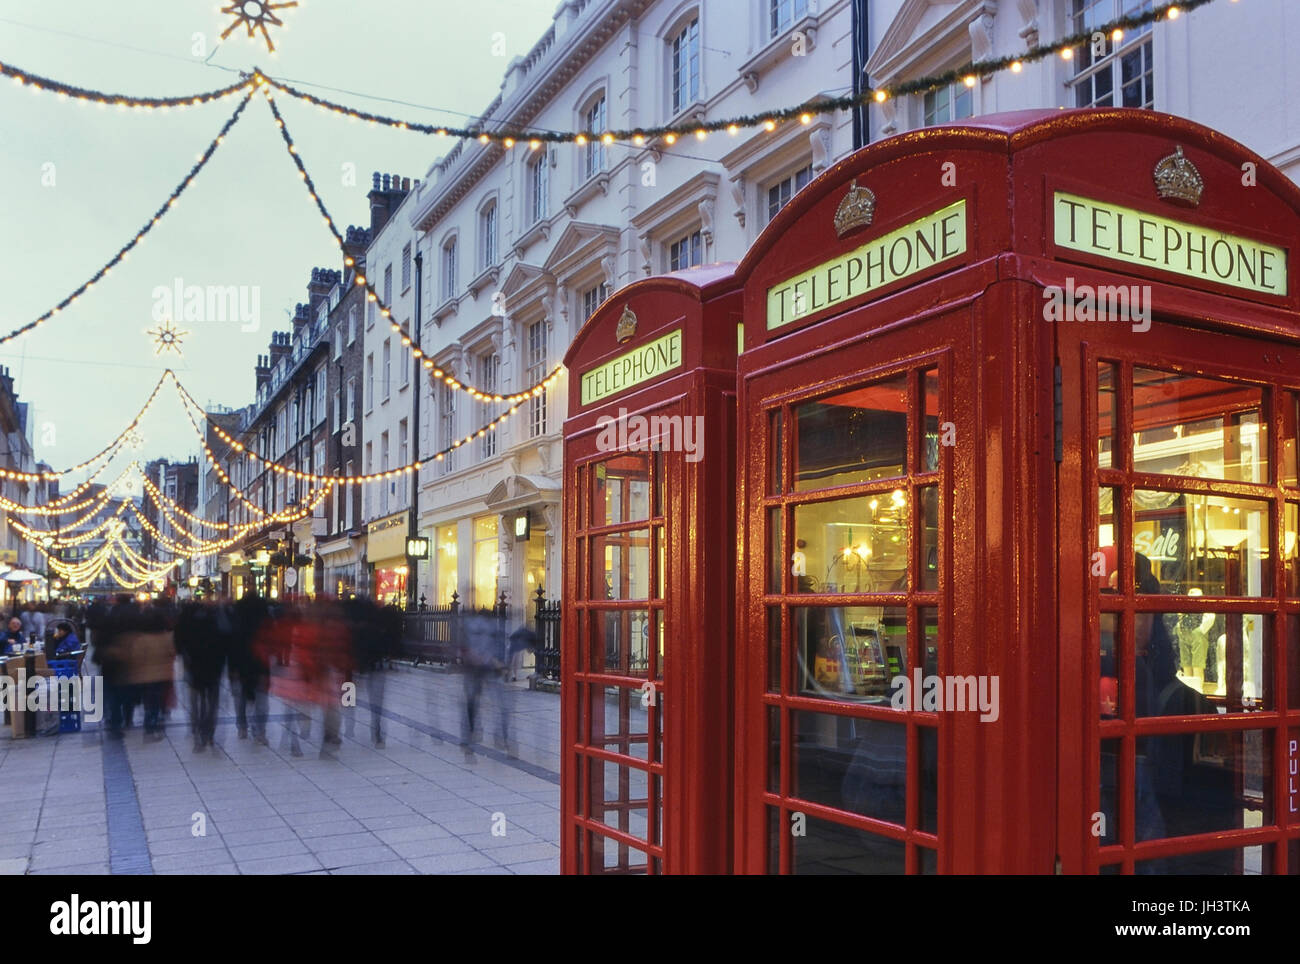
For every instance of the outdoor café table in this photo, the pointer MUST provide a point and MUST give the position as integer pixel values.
(22, 723)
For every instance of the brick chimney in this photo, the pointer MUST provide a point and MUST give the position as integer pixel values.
(387, 191)
(322, 280)
(301, 319)
(262, 371)
(281, 344)
(355, 243)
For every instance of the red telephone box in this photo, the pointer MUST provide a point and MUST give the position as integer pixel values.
(649, 570)
(1018, 580)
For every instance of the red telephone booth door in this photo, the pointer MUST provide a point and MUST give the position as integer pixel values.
(1180, 602)
(649, 573)
(849, 526)
(614, 656)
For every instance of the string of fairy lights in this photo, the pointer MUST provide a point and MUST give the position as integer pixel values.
(128, 567)
(769, 120)
(509, 137)
(172, 200)
(372, 294)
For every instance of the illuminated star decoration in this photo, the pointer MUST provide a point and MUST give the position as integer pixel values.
(167, 337)
(255, 15)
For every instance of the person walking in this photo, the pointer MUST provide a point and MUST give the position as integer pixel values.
(481, 651)
(250, 671)
(152, 665)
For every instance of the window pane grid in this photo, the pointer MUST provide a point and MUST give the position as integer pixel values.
(533, 374)
(686, 66)
(1214, 726)
(835, 701)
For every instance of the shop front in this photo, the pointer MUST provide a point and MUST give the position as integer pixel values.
(528, 513)
(386, 550)
(340, 565)
(1018, 582)
(649, 553)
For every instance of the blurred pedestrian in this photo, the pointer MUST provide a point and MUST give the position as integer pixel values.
(370, 631)
(202, 648)
(482, 649)
(522, 641)
(151, 664)
(249, 670)
(113, 655)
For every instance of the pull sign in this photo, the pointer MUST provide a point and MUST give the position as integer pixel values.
(1058, 414)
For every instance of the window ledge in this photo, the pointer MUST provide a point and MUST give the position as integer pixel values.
(540, 231)
(692, 113)
(445, 310)
(598, 183)
(778, 49)
(488, 276)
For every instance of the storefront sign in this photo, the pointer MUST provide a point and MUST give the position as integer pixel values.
(387, 538)
(1136, 237)
(913, 248)
(633, 368)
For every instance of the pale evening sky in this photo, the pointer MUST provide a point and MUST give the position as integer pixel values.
(245, 221)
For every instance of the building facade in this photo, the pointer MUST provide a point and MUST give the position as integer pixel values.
(520, 245)
(390, 377)
(213, 569)
(17, 455)
(1166, 67)
(178, 484)
(285, 425)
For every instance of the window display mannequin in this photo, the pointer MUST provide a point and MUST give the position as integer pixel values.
(1193, 633)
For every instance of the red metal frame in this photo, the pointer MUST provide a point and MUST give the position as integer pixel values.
(1015, 526)
(1015, 600)
(685, 766)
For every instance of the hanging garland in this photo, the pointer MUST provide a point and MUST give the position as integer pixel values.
(123, 101)
(109, 450)
(534, 138)
(330, 480)
(140, 235)
(372, 293)
(639, 135)
(769, 119)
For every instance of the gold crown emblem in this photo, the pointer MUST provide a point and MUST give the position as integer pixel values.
(856, 209)
(1178, 180)
(626, 325)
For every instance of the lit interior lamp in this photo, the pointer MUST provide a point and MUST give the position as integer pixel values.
(1229, 538)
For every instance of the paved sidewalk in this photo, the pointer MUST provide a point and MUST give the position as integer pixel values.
(81, 803)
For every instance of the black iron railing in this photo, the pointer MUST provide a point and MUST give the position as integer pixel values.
(547, 627)
(432, 634)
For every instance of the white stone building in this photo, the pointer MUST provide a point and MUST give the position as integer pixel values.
(387, 401)
(1225, 65)
(519, 245)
